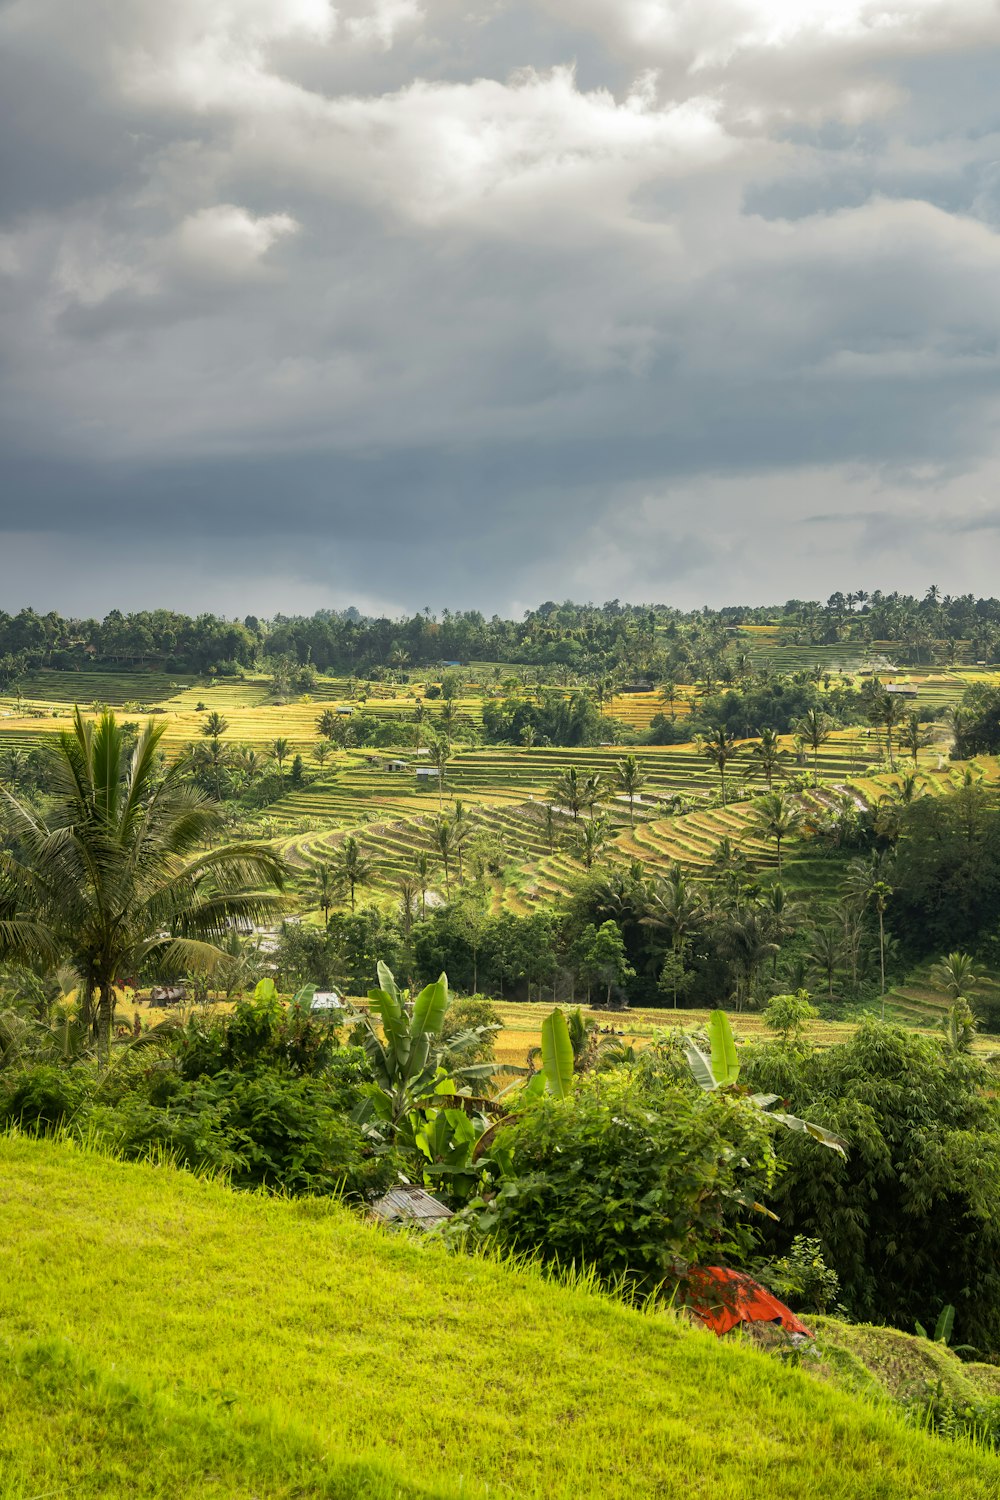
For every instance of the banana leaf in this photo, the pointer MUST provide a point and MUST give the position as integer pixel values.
(699, 1064)
(557, 1054)
(725, 1063)
(429, 1008)
(818, 1132)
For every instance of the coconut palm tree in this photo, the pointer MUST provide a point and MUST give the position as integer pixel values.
(445, 847)
(955, 975)
(815, 727)
(440, 756)
(422, 875)
(321, 751)
(569, 790)
(777, 816)
(116, 876)
(768, 755)
(867, 885)
(674, 905)
(351, 866)
(720, 748)
(214, 726)
(280, 749)
(590, 840)
(324, 885)
(629, 780)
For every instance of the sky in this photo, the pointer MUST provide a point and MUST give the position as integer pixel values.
(407, 303)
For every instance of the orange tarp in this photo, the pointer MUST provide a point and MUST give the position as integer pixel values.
(723, 1298)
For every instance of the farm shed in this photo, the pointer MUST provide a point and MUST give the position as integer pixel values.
(410, 1205)
(902, 689)
(343, 710)
(397, 765)
(330, 1001)
(427, 773)
(167, 994)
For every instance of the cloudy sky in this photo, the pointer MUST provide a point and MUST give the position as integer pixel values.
(407, 302)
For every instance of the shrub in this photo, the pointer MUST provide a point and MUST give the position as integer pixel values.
(42, 1098)
(634, 1184)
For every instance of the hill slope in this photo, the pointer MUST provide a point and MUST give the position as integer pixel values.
(161, 1336)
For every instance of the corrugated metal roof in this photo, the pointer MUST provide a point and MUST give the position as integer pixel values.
(410, 1203)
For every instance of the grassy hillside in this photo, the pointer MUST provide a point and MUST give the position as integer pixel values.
(164, 1337)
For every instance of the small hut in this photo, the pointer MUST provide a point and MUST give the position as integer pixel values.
(410, 1205)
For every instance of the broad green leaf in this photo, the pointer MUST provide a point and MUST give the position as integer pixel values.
(429, 1008)
(945, 1325)
(265, 989)
(303, 998)
(725, 1063)
(394, 1023)
(387, 980)
(557, 1054)
(818, 1133)
(699, 1064)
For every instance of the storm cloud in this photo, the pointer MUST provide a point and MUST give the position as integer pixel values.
(396, 303)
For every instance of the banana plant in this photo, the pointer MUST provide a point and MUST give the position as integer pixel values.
(406, 1058)
(721, 1070)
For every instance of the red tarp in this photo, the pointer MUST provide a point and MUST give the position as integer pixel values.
(724, 1298)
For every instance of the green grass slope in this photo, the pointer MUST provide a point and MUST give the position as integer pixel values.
(161, 1336)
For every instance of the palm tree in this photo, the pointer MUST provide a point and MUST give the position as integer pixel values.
(462, 828)
(955, 975)
(569, 791)
(15, 763)
(777, 817)
(720, 748)
(111, 881)
(440, 756)
(913, 736)
(445, 846)
(630, 780)
(826, 951)
(324, 887)
(886, 709)
(768, 754)
(866, 884)
(422, 875)
(668, 695)
(321, 751)
(815, 728)
(592, 836)
(351, 867)
(746, 940)
(214, 726)
(408, 889)
(280, 749)
(674, 905)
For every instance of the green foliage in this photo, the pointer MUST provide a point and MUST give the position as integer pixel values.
(911, 1218)
(801, 1277)
(633, 1183)
(42, 1098)
(789, 1015)
(557, 1055)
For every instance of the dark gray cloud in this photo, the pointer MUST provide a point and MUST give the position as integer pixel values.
(409, 303)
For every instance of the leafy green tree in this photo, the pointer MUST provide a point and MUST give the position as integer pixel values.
(324, 884)
(911, 1219)
(603, 959)
(113, 881)
(214, 726)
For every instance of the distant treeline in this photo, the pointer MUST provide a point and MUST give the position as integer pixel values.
(612, 640)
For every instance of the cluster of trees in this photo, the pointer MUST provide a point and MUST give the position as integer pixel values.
(618, 641)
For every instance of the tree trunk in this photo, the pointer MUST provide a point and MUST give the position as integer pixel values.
(104, 1018)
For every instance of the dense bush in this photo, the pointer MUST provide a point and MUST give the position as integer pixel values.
(636, 1182)
(911, 1220)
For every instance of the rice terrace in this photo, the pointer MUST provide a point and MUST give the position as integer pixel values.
(499, 750)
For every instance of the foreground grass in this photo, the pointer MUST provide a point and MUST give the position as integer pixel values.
(161, 1336)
